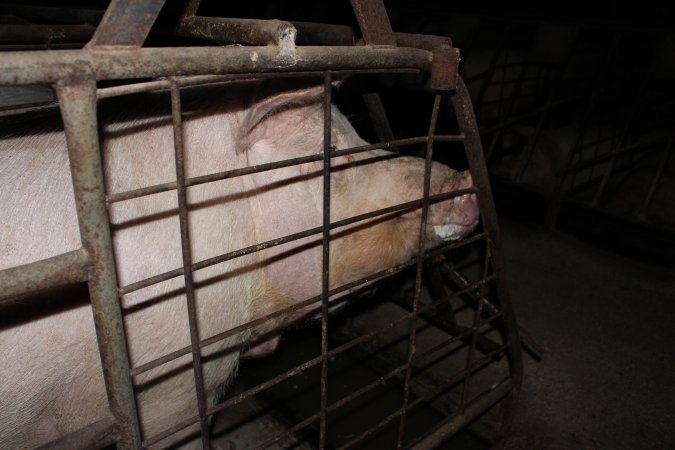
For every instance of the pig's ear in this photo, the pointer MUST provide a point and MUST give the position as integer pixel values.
(294, 95)
(278, 102)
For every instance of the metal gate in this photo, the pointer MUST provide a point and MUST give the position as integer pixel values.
(114, 52)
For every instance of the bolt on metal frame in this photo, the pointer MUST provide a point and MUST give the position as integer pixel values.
(74, 75)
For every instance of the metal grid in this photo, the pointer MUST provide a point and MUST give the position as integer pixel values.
(74, 75)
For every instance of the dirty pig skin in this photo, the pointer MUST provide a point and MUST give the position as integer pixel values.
(51, 375)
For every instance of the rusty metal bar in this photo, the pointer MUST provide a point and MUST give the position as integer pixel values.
(325, 245)
(447, 384)
(179, 156)
(420, 268)
(100, 434)
(126, 22)
(311, 363)
(474, 153)
(129, 62)
(156, 189)
(276, 165)
(466, 416)
(379, 118)
(227, 31)
(374, 22)
(292, 237)
(78, 110)
(57, 271)
(475, 328)
(378, 276)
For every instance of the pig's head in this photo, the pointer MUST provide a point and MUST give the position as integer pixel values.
(290, 124)
(285, 124)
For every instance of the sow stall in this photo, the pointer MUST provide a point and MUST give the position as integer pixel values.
(468, 304)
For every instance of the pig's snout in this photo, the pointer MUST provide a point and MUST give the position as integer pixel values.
(455, 218)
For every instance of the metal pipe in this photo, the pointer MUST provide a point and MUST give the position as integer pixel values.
(78, 110)
(57, 271)
(123, 63)
(126, 22)
(420, 266)
(186, 253)
(227, 31)
(474, 153)
(471, 412)
(325, 245)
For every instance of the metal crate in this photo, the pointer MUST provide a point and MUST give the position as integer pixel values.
(114, 53)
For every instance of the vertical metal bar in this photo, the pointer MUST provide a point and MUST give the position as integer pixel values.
(179, 152)
(474, 153)
(420, 266)
(379, 117)
(126, 22)
(642, 214)
(325, 281)
(476, 324)
(374, 22)
(78, 110)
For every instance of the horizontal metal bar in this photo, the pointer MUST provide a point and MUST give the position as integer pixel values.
(229, 31)
(99, 434)
(132, 62)
(472, 410)
(194, 80)
(57, 271)
(414, 204)
(159, 188)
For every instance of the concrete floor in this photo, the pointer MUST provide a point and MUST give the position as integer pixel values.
(607, 380)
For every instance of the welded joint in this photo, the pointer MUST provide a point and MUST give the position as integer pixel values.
(444, 68)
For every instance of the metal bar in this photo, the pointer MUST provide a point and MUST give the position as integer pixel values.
(126, 22)
(57, 271)
(374, 22)
(282, 240)
(389, 145)
(468, 415)
(179, 154)
(100, 434)
(378, 276)
(476, 324)
(227, 31)
(379, 118)
(443, 386)
(301, 368)
(129, 62)
(325, 244)
(642, 214)
(474, 153)
(78, 110)
(159, 85)
(420, 266)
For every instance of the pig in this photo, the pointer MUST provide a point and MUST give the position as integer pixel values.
(51, 375)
